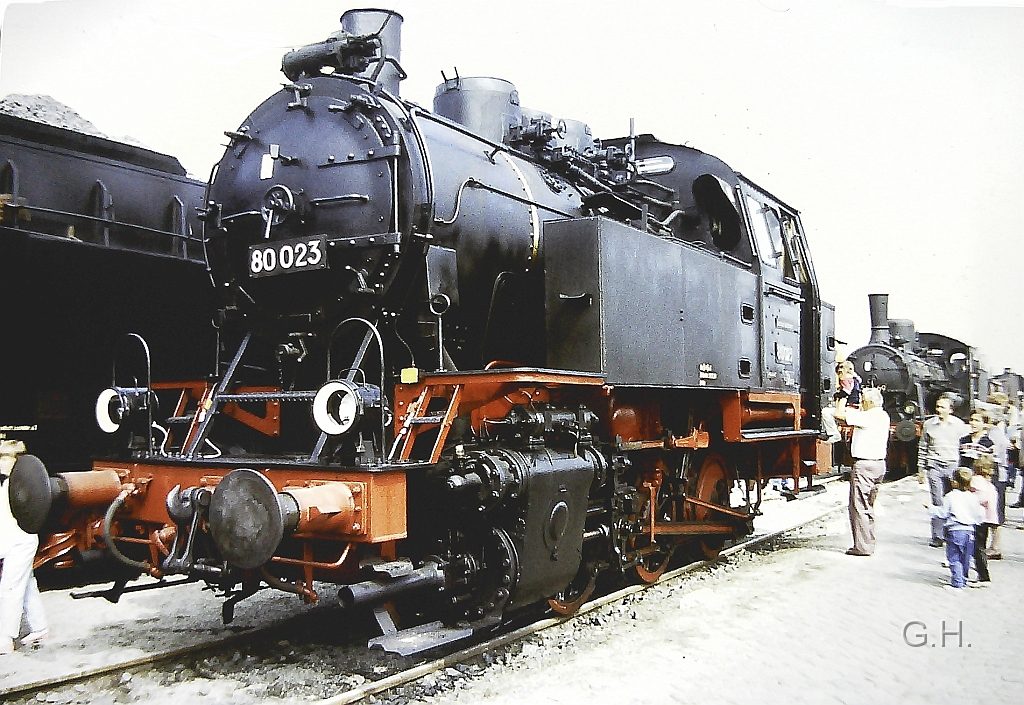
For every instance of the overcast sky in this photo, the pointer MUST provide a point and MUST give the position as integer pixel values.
(896, 128)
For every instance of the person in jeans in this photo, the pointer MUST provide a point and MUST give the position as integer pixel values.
(937, 455)
(960, 512)
(985, 492)
(868, 447)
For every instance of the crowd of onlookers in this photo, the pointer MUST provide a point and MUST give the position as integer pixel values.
(969, 467)
(970, 479)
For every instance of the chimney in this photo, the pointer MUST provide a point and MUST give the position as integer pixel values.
(879, 305)
(365, 35)
(389, 25)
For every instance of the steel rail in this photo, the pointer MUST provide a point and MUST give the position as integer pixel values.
(86, 673)
(417, 672)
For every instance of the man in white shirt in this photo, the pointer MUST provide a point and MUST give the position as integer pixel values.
(868, 447)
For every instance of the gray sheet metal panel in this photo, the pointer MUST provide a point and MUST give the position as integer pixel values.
(646, 311)
(642, 308)
(781, 321)
(573, 305)
(827, 344)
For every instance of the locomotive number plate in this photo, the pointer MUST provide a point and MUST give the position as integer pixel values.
(297, 255)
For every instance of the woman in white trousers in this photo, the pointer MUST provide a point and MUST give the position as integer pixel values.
(19, 593)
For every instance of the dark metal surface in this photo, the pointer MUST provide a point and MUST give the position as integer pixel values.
(553, 496)
(487, 106)
(914, 369)
(31, 493)
(101, 239)
(387, 25)
(246, 519)
(381, 590)
(424, 637)
(93, 190)
(461, 249)
(644, 310)
(826, 349)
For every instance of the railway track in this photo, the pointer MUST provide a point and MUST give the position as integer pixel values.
(497, 642)
(384, 672)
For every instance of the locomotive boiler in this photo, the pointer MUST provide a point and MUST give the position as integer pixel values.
(913, 370)
(470, 359)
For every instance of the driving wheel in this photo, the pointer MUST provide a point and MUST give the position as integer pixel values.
(575, 593)
(712, 485)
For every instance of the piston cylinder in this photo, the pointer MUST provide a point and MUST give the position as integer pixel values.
(372, 592)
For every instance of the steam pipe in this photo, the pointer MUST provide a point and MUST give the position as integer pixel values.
(108, 538)
(372, 592)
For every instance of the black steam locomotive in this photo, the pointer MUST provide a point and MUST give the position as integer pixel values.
(471, 359)
(97, 238)
(914, 370)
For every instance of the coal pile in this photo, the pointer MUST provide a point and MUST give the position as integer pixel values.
(47, 110)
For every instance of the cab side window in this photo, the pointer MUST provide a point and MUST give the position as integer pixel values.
(778, 237)
(767, 232)
(798, 264)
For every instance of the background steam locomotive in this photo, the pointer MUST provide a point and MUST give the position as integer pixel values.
(915, 369)
(470, 359)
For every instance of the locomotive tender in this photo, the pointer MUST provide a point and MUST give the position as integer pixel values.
(472, 358)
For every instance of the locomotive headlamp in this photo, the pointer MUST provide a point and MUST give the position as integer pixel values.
(340, 405)
(116, 404)
(906, 431)
(910, 408)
